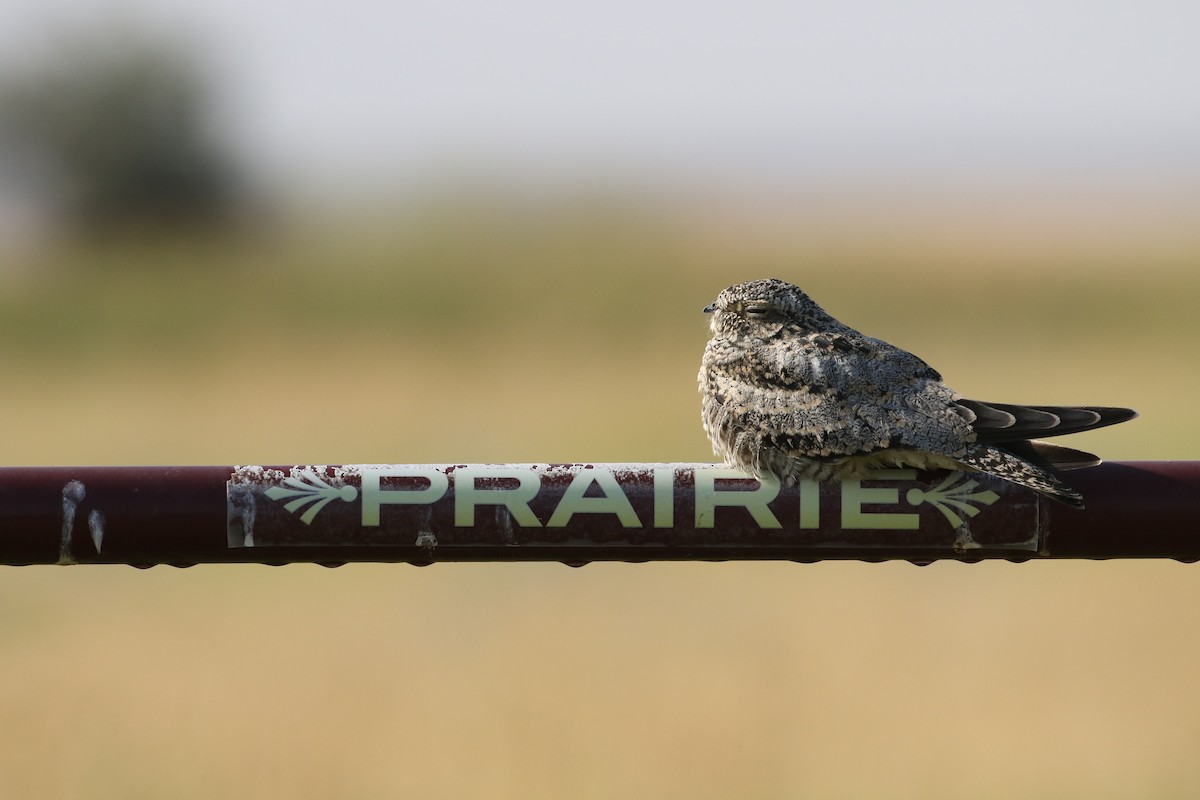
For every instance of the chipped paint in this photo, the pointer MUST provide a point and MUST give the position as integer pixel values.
(96, 528)
(73, 493)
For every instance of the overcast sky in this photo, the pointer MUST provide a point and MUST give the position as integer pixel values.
(357, 88)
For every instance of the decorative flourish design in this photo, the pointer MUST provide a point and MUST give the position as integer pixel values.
(308, 489)
(950, 496)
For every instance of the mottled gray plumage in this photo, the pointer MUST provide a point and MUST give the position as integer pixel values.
(791, 392)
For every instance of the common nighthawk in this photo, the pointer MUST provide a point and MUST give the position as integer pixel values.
(791, 392)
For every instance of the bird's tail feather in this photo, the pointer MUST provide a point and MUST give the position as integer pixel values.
(1051, 456)
(1003, 422)
(1004, 464)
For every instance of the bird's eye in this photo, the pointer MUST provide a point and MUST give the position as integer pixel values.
(756, 310)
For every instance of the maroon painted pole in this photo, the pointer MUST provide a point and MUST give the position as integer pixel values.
(576, 513)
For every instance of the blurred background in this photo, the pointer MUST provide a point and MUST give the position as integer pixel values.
(273, 232)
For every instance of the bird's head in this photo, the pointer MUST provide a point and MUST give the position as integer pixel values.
(762, 309)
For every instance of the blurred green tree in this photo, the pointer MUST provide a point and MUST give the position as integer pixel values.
(118, 129)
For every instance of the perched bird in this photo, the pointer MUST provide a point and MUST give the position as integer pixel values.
(790, 392)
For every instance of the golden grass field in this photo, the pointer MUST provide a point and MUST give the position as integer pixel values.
(472, 334)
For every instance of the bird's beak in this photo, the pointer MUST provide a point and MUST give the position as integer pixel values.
(710, 308)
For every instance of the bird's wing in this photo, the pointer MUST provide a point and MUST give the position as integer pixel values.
(829, 395)
(842, 364)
